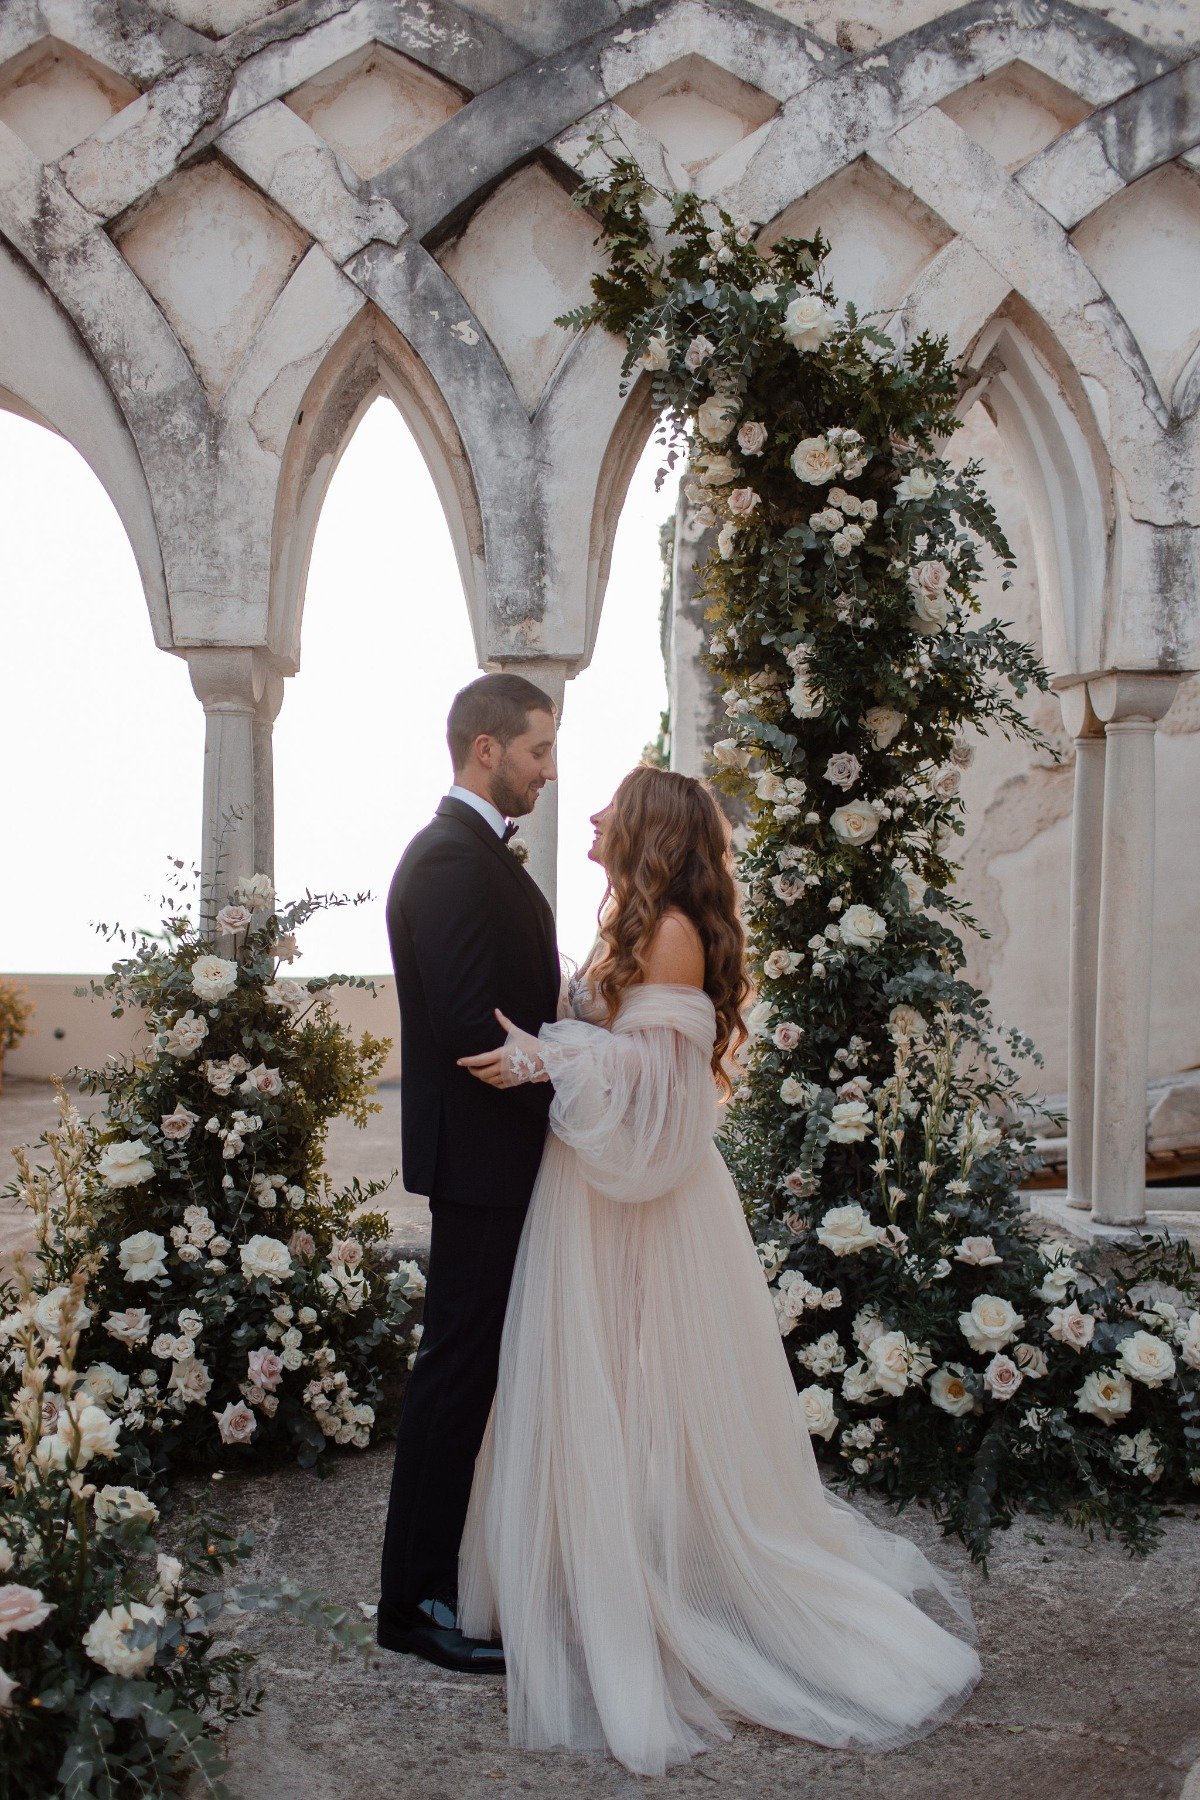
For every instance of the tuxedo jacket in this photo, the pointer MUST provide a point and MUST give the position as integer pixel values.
(470, 930)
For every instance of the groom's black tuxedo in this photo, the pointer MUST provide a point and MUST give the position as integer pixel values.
(470, 931)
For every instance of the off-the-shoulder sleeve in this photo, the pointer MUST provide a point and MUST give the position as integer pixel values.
(637, 1104)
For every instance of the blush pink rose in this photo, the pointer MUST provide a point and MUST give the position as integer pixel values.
(264, 1369)
(302, 1244)
(786, 1035)
(752, 438)
(21, 1608)
(236, 1423)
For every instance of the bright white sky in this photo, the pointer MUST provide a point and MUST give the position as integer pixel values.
(102, 739)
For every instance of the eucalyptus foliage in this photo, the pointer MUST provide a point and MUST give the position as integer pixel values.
(944, 1350)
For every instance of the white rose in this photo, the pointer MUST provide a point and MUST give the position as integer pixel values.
(758, 1019)
(57, 1313)
(780, 963)
(142, 1256)
(807, 322)
(1031, 1361)
(697, 352)
(213, 977)
(126, 1163)
(185, 1036)
(792, 1092)
(255, 891)
(991, 1323)
(858, 1383)
(816, 1409)
(769, 786)
(918, 484)
(855, 823)
(742, 502)
(729, 754)
(931, 605)
(288, 994)
(883, 724)
(862, 928)
(191, 1380)
(850, 1122)
(265, 1256)
(1002, 1377)
(846, 1230)
(978, 1251)
(1056, 1282)
(1105, 1394)
(124, 1640)
(948, 1390)
(716, 471)
(752, 438)
(234, 918)
(726, 541)
(22, 1608)
(116, 1503)
(1146, 1358)
(867, 1327)
(715, 418)
(1071, 1327)
(657, 354)
(815, 460)
(841, 543)
(842, 769)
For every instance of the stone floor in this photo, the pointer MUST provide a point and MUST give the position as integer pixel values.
(1089, 1681)
(28, 1107)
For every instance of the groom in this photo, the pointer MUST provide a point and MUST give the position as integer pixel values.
(470, 931)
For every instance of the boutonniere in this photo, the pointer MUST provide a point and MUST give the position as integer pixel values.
(519, 848)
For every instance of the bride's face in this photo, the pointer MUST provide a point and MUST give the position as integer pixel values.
(600, 825)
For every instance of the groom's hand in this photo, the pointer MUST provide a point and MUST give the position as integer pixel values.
(516, 1062)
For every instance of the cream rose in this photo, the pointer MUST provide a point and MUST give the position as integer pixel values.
(265, 1256)
(792, 1092)
(715, 419)
(142, 1256)
(816, 1409)
(855, 823)
(185, 1036)
(102, 1383)
(1146, 1358)
(130, 1327)
(861, 927)
(83, 1432)
(948, 1389)
(1031, 1361)
(786, 1035)
(127, 1163)
(857, 1383)
(213, 977)
(849, 1122)
(895, 1362)
(177, 1125)
(115, 1504)
(815, 460)
(191, 1380)
(22, 1608)
(990, 1324)
(1105, 1394)
(978, 1251)
(918, 484)
(1071, 1327)
(780, 963)
(846, 1230)
(716, 471)
(697, 352)
(742, 502)
(752, 438)
(234, 918)
(657, 354)
(58, 1312)
(882, 724)
(124, 1640)
(807, 322)
(805, 702)
(255, 891)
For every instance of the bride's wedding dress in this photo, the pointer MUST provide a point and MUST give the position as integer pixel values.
(648, 1529)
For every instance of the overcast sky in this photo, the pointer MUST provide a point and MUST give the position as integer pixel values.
(102, 738)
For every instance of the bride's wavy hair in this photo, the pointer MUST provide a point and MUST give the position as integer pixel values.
(667, 844)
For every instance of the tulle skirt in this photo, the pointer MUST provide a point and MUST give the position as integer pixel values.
(648, 1529)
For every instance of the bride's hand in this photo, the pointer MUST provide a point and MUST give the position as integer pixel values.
(516, 1061)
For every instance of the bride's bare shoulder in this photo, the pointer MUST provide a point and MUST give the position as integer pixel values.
(676, 954)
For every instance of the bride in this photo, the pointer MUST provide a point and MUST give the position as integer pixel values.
(647, 1529)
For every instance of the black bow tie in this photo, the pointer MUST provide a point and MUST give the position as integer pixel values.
(510, 830)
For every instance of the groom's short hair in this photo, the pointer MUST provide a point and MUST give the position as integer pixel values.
(498, 705)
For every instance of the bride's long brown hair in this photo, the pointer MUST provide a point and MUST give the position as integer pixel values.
(666, 844)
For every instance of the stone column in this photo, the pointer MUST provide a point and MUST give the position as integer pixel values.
(240, 696)
(540, 829)
(1087, 820)
(1130, 707)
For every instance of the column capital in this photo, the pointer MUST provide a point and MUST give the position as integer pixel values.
(1079, 715)
(233, 679)
(1132, 697)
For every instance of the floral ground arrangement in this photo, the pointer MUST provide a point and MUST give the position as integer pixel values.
(942, 1350)
(200, 1296)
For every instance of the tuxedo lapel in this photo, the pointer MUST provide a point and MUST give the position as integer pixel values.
(449, 808)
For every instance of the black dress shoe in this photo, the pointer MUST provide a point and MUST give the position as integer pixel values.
(430, 1629)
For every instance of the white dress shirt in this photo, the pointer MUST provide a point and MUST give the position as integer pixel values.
(483, 807)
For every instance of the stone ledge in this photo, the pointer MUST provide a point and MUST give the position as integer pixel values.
(1177, 1218)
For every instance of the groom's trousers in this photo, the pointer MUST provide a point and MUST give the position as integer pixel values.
(472, 1250)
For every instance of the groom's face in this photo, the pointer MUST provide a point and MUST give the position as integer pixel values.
(524, 765)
